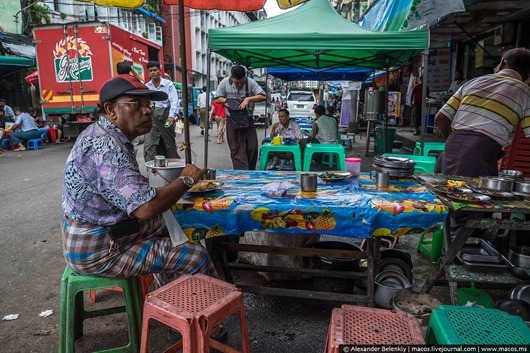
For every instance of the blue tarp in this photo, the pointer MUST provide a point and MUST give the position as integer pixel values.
(344, 74)
(149, 13)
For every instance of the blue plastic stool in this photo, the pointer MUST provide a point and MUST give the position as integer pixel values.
(35, 144)
(6, 144)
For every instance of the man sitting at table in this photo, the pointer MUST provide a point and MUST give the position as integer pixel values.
(27, 129)
(286, 129)
(325, 127)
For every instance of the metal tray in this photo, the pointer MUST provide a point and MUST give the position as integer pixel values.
(484, 253)
(478, 266)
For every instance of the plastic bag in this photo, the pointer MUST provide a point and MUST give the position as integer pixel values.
(179, 126)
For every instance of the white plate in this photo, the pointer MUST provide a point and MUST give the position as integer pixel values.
(469, 198)
(205, 186)
(334, 176)
(493, 193)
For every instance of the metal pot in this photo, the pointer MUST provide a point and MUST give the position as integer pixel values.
(520, 256)
(160, 176)
(496, 183)
(387, 285)
(511, 174)
(522, 185)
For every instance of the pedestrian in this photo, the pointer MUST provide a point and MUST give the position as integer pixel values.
(457, 83)
(218, 114)
(201, 109)
(161, 139)
(417, 95)
(125, 68)
(481, 117)
(9, 114)
(277, 105)
(236, 92)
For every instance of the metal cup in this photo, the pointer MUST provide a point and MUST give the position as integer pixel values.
(160, 161)
(382, 179)
(210, 174)
(308, 182)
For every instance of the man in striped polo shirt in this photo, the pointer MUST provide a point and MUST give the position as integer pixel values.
(481, 117)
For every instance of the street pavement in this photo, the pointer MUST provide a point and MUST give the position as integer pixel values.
(32, 263)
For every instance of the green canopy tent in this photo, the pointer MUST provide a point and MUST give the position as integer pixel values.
(314, 36)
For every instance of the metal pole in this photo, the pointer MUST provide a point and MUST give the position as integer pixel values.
(184, 74)
(385, 110)
(425, 64)
(267, 102)
(172, 16)
(207, 122)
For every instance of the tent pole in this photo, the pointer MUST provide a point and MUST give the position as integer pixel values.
(184, 75)
(267, 102)
(425, 64)
(385, 109)
(207, 122)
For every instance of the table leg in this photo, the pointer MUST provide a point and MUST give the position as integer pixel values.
(368, 126)
(461, 236)
(453, 292)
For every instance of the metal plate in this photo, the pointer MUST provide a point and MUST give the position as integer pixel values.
(433, 179)
(493, 193)
(205, 186)
(469, 198)
(334, 176)
(452, 189)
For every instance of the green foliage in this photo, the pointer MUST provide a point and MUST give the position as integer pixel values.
(34, 14)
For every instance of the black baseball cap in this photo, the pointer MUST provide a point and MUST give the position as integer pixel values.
(127, 85)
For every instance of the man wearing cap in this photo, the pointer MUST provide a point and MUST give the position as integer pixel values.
(161, 139)
(112, 221)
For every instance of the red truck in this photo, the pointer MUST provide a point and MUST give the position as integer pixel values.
(75, 59)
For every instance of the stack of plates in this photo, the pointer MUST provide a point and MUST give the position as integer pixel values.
(395, 166)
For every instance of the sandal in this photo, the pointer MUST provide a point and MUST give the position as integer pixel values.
(19, 149)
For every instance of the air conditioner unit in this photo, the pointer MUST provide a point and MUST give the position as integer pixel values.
(497, 36)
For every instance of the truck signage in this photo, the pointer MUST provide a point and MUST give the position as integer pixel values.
(73, 60)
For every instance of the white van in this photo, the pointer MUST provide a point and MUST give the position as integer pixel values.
(300, 103)
(259, 113)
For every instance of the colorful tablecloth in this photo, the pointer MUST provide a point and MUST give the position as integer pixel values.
(350, 208)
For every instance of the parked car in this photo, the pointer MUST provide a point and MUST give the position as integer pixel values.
(300, 103)
(259, 113)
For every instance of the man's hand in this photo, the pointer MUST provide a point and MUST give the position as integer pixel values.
(170, 120)
(244, 104)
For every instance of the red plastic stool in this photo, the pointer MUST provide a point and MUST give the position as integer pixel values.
(144, 281)
(359, 325)
(194, 305)
(52, 133)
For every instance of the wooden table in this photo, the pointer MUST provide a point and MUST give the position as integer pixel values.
(349, 208)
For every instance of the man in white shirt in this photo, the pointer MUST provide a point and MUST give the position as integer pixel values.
(201, 108)
(161, 139)
(457, 83)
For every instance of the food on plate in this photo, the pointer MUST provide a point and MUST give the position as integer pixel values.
(456, 183)
(204, 185)
(452, 189)
(327, 175)
(465, 197)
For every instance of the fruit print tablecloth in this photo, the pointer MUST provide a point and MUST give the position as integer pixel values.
(350, 208)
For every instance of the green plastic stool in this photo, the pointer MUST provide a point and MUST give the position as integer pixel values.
(428, 147)
(475, 326)
(434, 246)
(267, 148)
(73, 312)
(424, 164)
(334, 148)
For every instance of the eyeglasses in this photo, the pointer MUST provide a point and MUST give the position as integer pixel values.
(138, 105)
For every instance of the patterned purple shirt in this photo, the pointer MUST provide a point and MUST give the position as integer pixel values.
(102, 183)
(292, 131)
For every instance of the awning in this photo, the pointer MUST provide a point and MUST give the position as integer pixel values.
(11, 64)
(148, 13)
(344, 74)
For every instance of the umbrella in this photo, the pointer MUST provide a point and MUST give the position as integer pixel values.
(32, 78)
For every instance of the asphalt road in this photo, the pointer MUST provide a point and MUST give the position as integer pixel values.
(32, 263)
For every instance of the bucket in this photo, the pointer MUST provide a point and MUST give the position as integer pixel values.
(387, 285)
(336, 285)
(353, 165)
(160, 176)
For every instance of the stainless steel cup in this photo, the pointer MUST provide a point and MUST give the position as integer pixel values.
(160, 161)
(382, 179)
(210, 174)
(308, 182)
